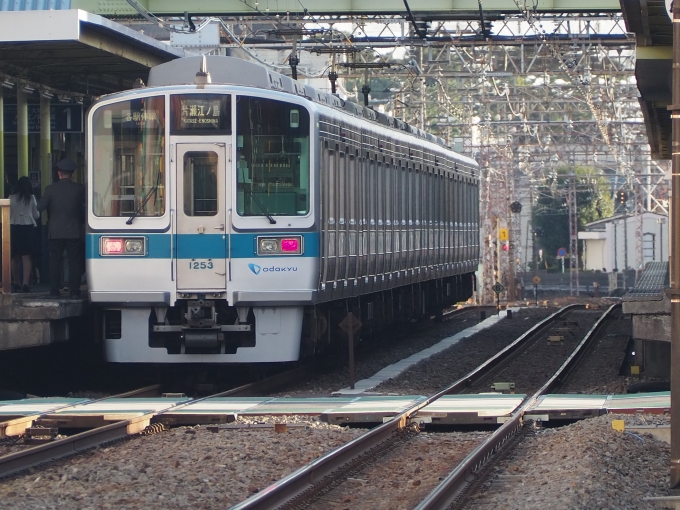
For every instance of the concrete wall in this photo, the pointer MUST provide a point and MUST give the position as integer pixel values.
(29, 320)
(594, 256)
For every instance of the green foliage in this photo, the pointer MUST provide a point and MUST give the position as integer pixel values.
(551, 213)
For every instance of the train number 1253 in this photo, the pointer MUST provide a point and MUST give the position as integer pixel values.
(195, 264)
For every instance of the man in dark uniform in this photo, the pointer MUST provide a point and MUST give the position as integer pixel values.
(64, 202)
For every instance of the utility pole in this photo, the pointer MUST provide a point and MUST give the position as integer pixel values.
(675, 256)
(625, 250)
(573, 236)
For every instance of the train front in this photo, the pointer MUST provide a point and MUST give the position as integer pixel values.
(201, 241)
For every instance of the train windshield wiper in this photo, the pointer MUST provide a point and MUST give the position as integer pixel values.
(271, 219)
(152, 192)
(264, 209)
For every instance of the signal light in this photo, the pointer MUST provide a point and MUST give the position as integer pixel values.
(505, 246)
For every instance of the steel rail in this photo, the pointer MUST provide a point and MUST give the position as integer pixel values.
(19, 461)
(452, 486)
(297, 482)
(507, 353)
(294, 375)
(51, 451)
(17, 426)
(266, 385)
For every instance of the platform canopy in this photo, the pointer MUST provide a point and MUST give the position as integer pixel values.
(434, 9)
(653, 29)
(73, 51)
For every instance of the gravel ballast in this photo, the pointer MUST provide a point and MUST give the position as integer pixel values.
(583, 465)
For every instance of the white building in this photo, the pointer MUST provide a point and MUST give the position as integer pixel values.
(618, 243)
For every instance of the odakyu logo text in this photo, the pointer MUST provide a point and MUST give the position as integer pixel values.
(272, 269)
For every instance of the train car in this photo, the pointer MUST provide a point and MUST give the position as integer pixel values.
(237, 216)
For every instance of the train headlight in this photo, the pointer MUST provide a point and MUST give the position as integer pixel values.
(269, 245)
(288, 245)
(122, 246)
(134, 246)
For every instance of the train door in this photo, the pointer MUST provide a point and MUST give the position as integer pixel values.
(201, 243)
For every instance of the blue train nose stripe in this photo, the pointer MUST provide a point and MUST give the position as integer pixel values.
(203, 246)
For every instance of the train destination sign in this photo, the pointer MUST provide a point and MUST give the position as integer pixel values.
(200, 112)
(64, 118)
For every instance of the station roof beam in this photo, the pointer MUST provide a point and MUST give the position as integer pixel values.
(76, 51)
(653, 30)
(433, 9)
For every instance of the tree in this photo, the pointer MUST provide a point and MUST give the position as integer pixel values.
(551, 213)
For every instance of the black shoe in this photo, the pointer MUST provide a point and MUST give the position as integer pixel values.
(25, 289)
(54, 293)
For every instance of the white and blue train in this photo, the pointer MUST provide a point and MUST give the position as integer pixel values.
(236, 216)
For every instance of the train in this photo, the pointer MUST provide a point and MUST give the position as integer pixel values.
(236, 215)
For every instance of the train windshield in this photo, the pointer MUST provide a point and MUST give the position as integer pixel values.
(272, 167)
(128, 158)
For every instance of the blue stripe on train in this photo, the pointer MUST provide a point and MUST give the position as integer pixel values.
(200, 246)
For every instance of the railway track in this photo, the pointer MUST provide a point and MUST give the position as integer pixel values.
(452, 490)
(101, 430)
(281, 380)
(56, 449)
(308, 483)
(153, 421)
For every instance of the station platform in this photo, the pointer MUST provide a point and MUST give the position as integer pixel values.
(485, 408)
(35, 319)
(650, 308)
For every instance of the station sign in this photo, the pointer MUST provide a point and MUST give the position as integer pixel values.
(64, 118)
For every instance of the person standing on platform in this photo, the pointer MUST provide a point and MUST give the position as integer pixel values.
(23, 212)
(64, 202)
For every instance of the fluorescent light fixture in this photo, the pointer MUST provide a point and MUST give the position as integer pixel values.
(7, 84)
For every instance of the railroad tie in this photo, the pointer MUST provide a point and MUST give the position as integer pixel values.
(503, 386)
(40, 435)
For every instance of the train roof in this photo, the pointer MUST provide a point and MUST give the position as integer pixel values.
(235, 71)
